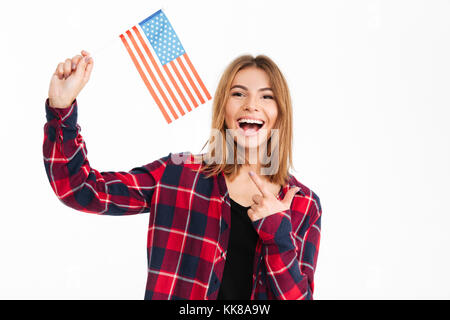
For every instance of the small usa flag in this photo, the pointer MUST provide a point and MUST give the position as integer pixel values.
(164, 66)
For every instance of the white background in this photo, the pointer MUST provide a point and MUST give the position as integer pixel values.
(369, 81)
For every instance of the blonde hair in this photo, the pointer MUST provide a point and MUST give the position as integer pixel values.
(283, 123)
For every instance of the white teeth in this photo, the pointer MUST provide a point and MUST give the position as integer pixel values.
(251, 121)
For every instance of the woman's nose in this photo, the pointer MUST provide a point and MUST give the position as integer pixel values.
(251, 104)
(251, 107)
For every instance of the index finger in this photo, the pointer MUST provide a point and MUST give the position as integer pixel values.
(259, 183)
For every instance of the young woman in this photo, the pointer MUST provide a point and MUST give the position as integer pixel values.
(224, 224)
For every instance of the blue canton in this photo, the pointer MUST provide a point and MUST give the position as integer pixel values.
(162, 37)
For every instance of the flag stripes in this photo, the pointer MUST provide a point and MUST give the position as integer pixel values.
(155, 65)
(145, 79)
(183, 83)
(152, 75)
(200, 82)
(175, 86)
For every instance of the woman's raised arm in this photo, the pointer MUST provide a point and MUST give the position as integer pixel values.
(70, 175)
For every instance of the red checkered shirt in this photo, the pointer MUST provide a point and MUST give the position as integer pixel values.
(189, 218)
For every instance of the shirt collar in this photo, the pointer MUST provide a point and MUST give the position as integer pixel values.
(290, 184)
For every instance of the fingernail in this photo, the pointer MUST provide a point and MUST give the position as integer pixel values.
(251, 173)
(74, 66)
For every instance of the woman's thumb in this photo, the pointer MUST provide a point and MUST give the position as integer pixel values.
(90, 65)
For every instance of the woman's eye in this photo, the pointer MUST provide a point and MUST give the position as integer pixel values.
(268, 97)
(237, 94)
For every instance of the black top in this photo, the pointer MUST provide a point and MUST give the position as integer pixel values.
(237, 276)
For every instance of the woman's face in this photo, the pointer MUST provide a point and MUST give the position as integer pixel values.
(251, 106)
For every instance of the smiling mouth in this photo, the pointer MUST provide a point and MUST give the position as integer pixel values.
(250, 127)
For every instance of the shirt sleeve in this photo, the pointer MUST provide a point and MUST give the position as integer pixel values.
(83, 188)
(291, 257)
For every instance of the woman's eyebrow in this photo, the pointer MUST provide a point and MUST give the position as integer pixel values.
(245, 88)
(239, 86)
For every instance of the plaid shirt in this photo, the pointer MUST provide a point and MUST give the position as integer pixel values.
(189, 218)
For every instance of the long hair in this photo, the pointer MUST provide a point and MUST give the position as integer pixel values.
(283, 123)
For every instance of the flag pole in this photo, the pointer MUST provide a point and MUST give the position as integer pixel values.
(106, 44)
(98, 50)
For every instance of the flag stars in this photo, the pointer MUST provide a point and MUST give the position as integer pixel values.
(163, 38)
